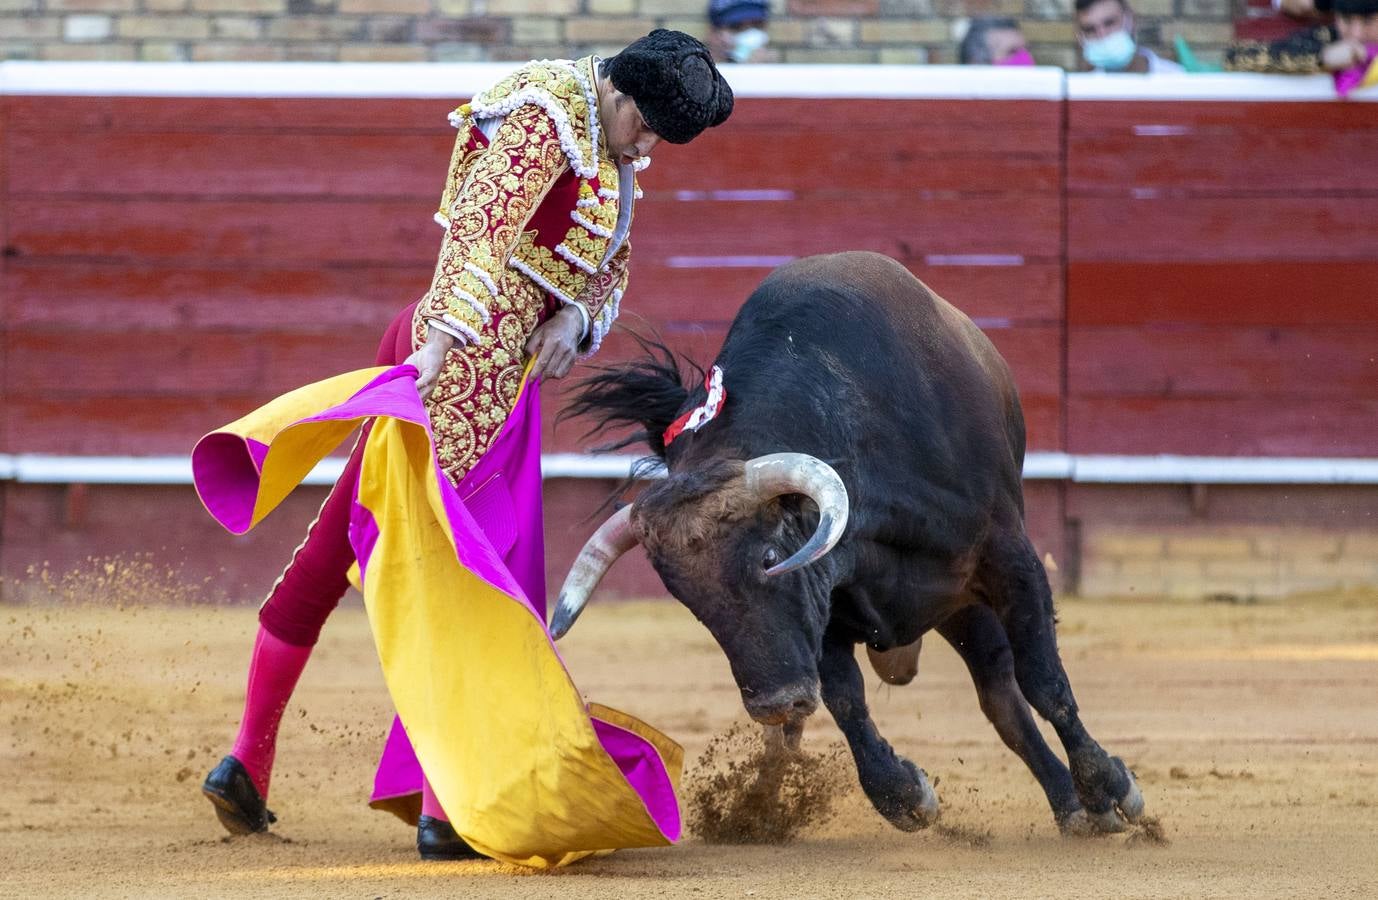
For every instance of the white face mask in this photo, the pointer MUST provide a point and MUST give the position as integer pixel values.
(1112, 52)
(746, 42)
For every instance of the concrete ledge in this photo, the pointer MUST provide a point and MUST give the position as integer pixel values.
(1223, 86)
(459, 80)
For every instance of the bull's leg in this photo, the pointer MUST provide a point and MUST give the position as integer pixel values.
(897, 788)
(1018, 590)
(977, 635)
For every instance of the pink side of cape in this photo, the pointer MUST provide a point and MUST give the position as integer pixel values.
(498, 537)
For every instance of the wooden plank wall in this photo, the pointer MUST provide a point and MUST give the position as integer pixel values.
(169, 263)
(1222, 278)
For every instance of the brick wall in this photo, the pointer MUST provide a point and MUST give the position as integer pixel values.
(1247, 562)
(804, 31)
(1231, 541)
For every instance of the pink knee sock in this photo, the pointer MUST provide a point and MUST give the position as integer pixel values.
(430, 806)
(273, 673)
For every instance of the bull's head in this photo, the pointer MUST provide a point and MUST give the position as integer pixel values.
(720, 538)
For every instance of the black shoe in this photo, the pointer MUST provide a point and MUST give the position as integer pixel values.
(436, 839)
(237, 803)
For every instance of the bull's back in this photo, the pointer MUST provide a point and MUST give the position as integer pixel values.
(850, 358)
(934, 343)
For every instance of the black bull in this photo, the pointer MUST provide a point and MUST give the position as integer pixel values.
(855, 370)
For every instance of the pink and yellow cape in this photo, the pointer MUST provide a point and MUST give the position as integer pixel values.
(1361, 76)
(453, 583)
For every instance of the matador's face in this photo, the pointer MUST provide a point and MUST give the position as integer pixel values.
(625, 134)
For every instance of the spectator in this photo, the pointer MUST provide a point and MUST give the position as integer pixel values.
(994, 41)
(1305, 9)
(1318, 48)
(737, 31)
(1105, 31)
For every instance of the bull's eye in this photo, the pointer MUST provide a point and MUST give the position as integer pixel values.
(771, 558)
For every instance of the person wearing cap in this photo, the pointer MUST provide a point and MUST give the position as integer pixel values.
(994, 41)
(1350, 43)
(536, 210)
(737, 31)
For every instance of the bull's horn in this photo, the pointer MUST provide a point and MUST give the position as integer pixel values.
(798, 473)
(613, 538)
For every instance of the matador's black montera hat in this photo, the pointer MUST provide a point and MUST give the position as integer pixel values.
(677, 88)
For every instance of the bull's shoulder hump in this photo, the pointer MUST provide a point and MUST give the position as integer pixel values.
(874, 273)
(847, 263)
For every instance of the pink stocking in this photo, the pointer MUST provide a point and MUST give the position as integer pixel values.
(430, 806)
(273, 674)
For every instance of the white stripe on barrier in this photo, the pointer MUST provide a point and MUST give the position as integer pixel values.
(452, 81)
(215, 79)
(36, 468)
(1222, 86)
(1223, 470)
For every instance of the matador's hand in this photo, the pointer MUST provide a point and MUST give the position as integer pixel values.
(430, 359)
(1343, 55)
(556, 343)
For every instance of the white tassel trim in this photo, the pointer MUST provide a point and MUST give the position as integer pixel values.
(575, 258)
(609, 194)
(484, 277)
(456, 118)
(463, 329)
(568, 142)
(641, 164)
(603, 323)
(478, 308)
(536, 277)
(591, 227)
(590, 98)
(441, 220)
(586, 202)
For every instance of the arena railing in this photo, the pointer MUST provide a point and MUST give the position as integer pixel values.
(38, 468)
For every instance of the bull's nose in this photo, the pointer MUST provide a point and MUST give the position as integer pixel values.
(783, 705)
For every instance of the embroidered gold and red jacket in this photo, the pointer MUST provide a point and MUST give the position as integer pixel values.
(530, 219)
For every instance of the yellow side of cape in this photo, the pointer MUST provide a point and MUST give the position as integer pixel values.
(501, 732)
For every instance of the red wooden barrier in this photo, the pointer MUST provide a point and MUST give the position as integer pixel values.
(1219, 256)
(1222, 264)
(211, 252)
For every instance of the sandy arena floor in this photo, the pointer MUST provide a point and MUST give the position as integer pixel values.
(1253, 730)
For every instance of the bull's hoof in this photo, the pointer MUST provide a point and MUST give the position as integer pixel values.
(1131, 802)
(1077, 825)
(1125, 809)
(909, 803)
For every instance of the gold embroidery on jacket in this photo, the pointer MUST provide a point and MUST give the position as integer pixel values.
(491, 277)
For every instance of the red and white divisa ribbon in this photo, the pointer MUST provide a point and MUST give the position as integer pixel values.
(699, 416)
